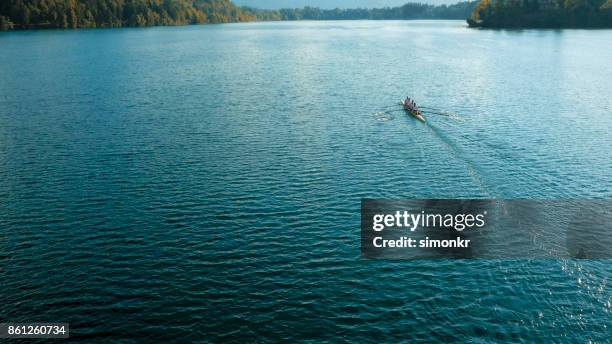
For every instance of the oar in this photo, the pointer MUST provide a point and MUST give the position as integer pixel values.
(448, 115)
(427, 107)
(436, 112)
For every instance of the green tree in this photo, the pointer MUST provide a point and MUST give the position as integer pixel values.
(5, 23)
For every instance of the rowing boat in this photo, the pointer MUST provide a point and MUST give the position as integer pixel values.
(415, 113)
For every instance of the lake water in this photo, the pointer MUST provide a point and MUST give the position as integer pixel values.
(204, 182)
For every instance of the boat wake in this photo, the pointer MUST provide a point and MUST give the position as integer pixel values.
(470, 166)
(450, 115)
(453, 116)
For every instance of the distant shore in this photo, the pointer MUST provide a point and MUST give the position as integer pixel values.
(542, 14)
(77, 14)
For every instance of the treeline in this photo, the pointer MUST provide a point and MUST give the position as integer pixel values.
(28, 14)
(542, 13)
(25, 14)
(460, 10)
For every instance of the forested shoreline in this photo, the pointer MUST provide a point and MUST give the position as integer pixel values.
(32, 14)
(40, 14)
(412, 10)
(542, 14)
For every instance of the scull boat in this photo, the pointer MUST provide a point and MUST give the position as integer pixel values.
(414, 112)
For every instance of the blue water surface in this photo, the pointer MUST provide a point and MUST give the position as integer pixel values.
(203, 183)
